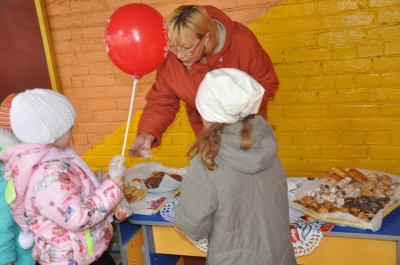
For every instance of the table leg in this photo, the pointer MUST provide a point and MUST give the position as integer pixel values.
(148, 244)
(128, 237)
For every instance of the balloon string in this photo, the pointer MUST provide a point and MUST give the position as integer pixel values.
(129, 116)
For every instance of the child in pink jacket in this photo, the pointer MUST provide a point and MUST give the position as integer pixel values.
(51, 190)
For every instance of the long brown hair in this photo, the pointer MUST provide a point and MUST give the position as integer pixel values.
(208, 145)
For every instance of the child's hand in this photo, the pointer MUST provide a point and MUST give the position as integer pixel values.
(105, 176)
(119, 181)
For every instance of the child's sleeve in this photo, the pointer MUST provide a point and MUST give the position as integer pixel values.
(63, 197)
(198, 201)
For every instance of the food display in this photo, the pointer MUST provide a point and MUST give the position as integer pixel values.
(151, 185)
(138, 188)
(350, 191)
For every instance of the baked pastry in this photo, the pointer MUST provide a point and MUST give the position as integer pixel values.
(354, 194)
(382, 186)
(390, 193)
(330, 184)
(367, 186)
(367, 193)
(343, 183)
(153, 181)
(176, 177)
(137, 182)
(138, 195)
(340, 171)
(395, 185)
(132, 193)
(349, 188)
(322, 209)
(374, 181)
(334, 176)
(384, 177)
(357, 175)
(373, 176)
(141, 194)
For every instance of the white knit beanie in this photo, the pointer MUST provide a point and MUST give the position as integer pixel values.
(228, 95)
(41, 116)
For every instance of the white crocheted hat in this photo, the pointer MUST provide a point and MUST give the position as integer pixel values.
(41, 116)
(228, 95)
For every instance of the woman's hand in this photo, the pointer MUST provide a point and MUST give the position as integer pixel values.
(143, 141)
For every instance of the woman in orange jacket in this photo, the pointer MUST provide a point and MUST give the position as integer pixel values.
(202, 38)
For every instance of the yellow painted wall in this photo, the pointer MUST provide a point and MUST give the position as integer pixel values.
(338, 63)
(339, 67)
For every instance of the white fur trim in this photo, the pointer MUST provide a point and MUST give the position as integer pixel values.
(26, 240)
(7, 138)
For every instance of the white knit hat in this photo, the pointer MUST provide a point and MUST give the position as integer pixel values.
(41, 116)
(228, 95)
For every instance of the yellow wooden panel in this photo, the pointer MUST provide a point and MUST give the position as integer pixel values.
(351, 251)
(47, 44)
(134, 249)
(169, 241)
(331, 251)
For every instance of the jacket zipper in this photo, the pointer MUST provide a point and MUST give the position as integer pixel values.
(89, 242)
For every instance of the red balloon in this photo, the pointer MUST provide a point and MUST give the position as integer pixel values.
(136, 39)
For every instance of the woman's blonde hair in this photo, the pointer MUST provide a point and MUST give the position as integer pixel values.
(207, 146)
(195, 18)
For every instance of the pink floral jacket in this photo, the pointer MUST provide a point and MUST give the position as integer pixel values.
(59, 203)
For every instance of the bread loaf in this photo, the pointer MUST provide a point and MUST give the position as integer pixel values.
(334, 176)
(357, 175)
(340, 171)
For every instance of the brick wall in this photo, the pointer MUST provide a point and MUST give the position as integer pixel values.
(338, 63)
(339, 67)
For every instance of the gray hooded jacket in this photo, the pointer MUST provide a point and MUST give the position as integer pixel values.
(242, 207)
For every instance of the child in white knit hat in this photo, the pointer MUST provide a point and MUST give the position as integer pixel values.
(51, 190)
(235, 192)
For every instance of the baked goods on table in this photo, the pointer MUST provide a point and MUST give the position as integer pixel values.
(351, 191)
(153, 181)
(167, 188)
(134, 192)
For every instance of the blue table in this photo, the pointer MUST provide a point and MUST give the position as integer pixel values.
(390, 230)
